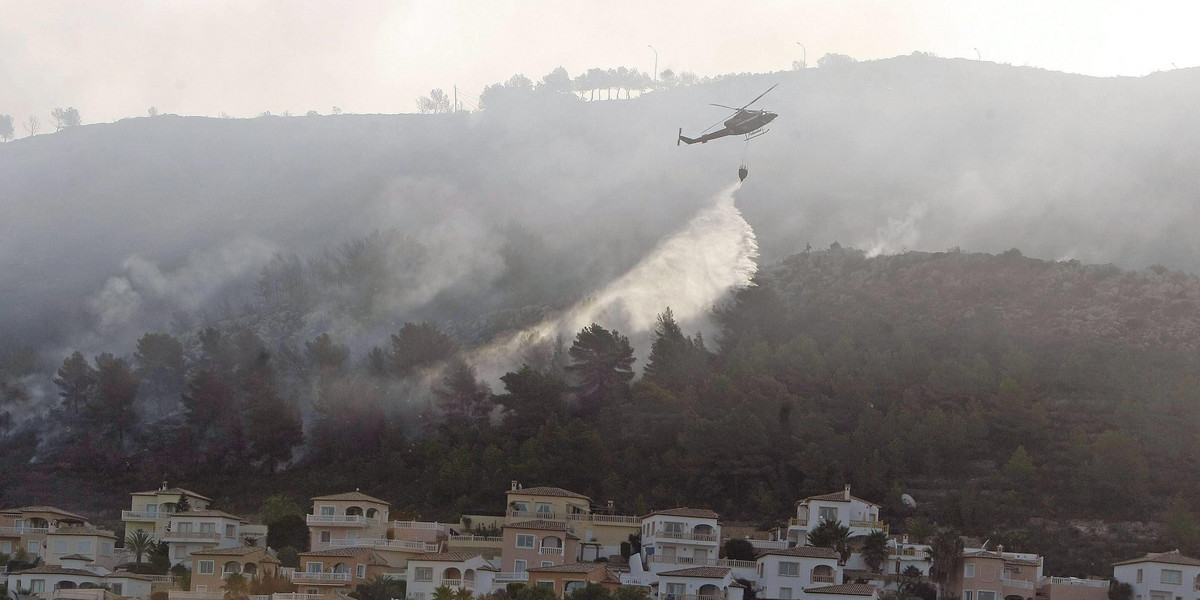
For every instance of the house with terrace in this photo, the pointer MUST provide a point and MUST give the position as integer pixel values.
(340, 520)
(211, 567)
(151, 511)
(25, 528)
(339, 569)
(997, 575)
(785, 574)
(565, 579)
(860, 516)
(1160, 576)
(198, 530)
(680, 536)
(699, 583)
(95, 544)
(77, 572)
(537, 543)
(455, 570)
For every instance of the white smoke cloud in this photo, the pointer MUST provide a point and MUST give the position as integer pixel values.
(690, 270)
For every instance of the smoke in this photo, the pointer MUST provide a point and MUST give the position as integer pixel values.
(689, 271)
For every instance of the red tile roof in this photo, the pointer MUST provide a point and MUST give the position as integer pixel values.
(549, 491)
(1172, 558)
(695, 513)
(709, 572)
(355, 496)
(804, 551)
(848, 589)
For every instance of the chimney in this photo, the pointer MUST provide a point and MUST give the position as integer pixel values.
(847, 491)
(164, 486)
(513, 486)
(1000, 548)
(610, 506)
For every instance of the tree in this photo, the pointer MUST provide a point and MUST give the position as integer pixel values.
(443, 592)
(834, 60)
(271, 581)
(832, 534)
(75, 380)
(237, 587)
(139, 543)
(531, 398)
(183, 505)
(32, 125)
(945, 555)
(276, 507)
(517, 88)
(417, 346)
(630, 592)
(327, 357)
(116, 390)
(556, 81)
(1019, 472)
(590, 591)
(272, 425)
(437, 102)
(65, 117)
(152, 112)
(602, 365)
(6, 127)
(462, 399)
(739, 549)
(182, 576)
(159, 357)
(1119, 590)
(380, 588)
(875, 550)
(675, 360)
(289, 530)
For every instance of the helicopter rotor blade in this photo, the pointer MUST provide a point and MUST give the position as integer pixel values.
(759, 97)
(723, 106)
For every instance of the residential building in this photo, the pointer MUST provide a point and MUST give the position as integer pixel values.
(537, 543)
(198, 530)
(997, 575)
(680, 536)
(26, 527)
(903, 554)
(152, 511)
(97, 545)
(74, 572)
(211, 567)
(564, 579)
(324, 571)
(455, 570)
(699, 583)
(861, 516)
(1161, 576)
(1071, 588)
(785, 574)
(337, 520)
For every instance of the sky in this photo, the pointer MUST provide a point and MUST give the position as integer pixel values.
(116, 58)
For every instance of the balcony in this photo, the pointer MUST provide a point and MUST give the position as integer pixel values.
(191, 536)
(880, 525)
(340, 520)
(511, 577)
(689, 537)
(543, 515)
(1096, 583)
(702, 562)
(822, 579)
(419, 525)
(141, 515)
(308, 577)
(545, 550)
(294, 596)
(769, 544)
(385, 544)
(24, 530)
(605, 519)
(476, 539)
(694, 597)
(458, 583)
(1018, 583)
(181, 595)
(795, 522)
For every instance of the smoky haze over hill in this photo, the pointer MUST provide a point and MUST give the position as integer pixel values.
(111, 230)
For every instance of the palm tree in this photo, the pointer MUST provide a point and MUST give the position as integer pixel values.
(443, 592)
(236, 587)
(140, 543)
(945, 555)
(875, 549)
(832, 534)
(463, 593)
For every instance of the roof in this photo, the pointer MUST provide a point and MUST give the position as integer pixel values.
(350, 551)
(549, 491)
(209, 513)
(695, 513)
(76, 557)
(836, 497)
(582, 567)
(454, 557)
(83, 530)
(1172, 558)
(804, 551)
(1012, 560)
(55, 570)
(847, 589)
(710, 572)
(175, 491)
(355, 496)
(238, 551)
(539, 524)
(47, 509)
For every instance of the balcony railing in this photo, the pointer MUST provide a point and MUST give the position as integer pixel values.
(181, 595)
(24, 530)
(306, 576)
(192, 536)
(384, 544)
(141, 515)
(1018, 583)
(694, 596)
(795, 522)
(868, 524)
(480, 539)
(614, 519)
(536, 514)
(769, 544)
(1096, 583)
(545, 550)
(510, 577)
(703, 562)
(822, 578)
(459, 583)
(295, 596)
(694, 537)
(419, 525)
(345, 520)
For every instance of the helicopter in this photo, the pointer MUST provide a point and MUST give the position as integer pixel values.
(743, 122)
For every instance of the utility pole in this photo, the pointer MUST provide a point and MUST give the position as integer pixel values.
(655, 62)
(456, 97)
(804, 59)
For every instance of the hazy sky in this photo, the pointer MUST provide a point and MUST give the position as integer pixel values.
(116, 58)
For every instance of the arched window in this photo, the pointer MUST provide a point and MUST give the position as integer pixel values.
(231, 567)
(822, 574)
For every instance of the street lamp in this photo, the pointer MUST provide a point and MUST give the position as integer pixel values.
(655, 62)
(804, 60)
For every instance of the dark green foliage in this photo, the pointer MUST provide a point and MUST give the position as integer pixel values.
(380, 588)
(601, 365)
(417, 346)
(676, 361)
(75, 380)
(112, 405)
(832, 534)
(1120, 590)
(945, 555)
(875, 550)
(530, 399)
(739, 549)
(288, 531)
(461, 398)
(183, 504)
(289, 556)
(591, 591)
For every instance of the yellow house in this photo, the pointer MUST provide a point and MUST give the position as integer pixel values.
(564, 579)
(151, 511)
(81, 541)
(25, 528)
(340, 520)
(211, 567)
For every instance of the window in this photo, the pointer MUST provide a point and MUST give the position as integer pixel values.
(208, 528)
(574, 585)
(520, 566)
(352, 535)
(106, 548)
(423, 574)
(361, 571)
(152, 509)
(35, 548)
(1172, 577)
(314, 567)
(180, 552)
(37, 586)
(230, 531)
(789, 569)
(6, 547)
(785, 593)
(419, 596)
(520, 507)
(206, 567)
(525, 540)
(987, 595)
(116, 588)
(325, 537)
(202, 588)
(60, 546)
(327, 511)
(676, 589)
(547, 563)
(673, 527)
(969, 571)
(968, 595)
(85, 547)
(544, 508)
(1139, 576)
(828, 513)
(185, 526)
(546, 584)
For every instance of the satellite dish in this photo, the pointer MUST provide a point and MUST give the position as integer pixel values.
(908, 501)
